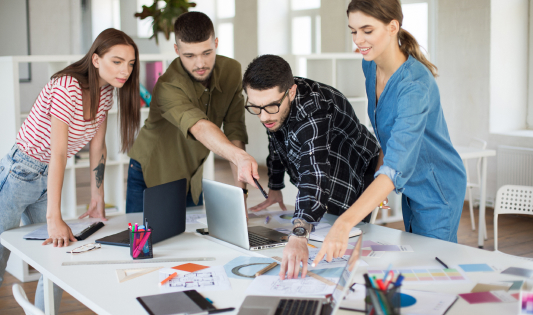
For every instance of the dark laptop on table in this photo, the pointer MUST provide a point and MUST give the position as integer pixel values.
(226, 219)
(164, 210)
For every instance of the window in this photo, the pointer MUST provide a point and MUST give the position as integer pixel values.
(222, 13)
(104, 14)
(288, 27)
(419, 19)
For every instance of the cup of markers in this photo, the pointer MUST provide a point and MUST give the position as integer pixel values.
(383, 295)
(140, 241)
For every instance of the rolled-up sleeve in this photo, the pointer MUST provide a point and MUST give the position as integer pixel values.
(404, 145)
(177, 108)
(234, 123)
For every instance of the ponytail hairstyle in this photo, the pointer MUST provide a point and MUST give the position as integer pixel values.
(386, 11)
(128, 96)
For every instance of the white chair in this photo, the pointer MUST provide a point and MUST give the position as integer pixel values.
(512, 199)
(478, 144)
(22, 300)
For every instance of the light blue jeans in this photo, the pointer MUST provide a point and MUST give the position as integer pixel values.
(23, 181)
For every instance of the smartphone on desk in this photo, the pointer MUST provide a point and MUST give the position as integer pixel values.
(203, 231)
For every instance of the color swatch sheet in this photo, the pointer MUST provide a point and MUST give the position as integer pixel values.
(429, 274)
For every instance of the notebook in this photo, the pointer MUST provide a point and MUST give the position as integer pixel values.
(186, 302)
(81, 230)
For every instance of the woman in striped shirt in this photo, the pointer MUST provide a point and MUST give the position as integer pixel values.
(70, 111)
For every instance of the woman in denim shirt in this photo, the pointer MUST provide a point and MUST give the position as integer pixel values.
(417, 157)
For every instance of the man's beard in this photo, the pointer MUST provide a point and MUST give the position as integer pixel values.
(195, 79)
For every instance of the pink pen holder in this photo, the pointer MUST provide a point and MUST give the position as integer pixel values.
(141, 244)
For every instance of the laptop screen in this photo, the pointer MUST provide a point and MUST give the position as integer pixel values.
(347, 276)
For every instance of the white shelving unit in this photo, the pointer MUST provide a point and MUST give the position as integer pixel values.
(344, 72)
(12, 117)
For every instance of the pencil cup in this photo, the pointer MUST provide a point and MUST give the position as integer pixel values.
(379, 302)
(141, 245)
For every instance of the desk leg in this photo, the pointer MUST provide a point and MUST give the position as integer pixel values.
(49, 307)
(483, 192)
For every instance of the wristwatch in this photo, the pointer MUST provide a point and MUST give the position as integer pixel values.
(301, 229)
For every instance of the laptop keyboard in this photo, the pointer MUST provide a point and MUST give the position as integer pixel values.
(296, 307)
(256, 240)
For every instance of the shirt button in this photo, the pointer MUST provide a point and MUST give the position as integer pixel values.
(206, 90)
(310, 153)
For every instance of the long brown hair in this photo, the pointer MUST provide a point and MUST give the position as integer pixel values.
(386, 11)
(129, 104)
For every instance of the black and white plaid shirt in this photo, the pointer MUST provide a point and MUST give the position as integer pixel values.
(324, 149)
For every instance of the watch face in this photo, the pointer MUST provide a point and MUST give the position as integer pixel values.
(299, 231)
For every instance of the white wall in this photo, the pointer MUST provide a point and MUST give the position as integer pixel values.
(464, 50)
(508, 64)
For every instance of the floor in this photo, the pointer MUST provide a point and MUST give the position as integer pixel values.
(516, 237)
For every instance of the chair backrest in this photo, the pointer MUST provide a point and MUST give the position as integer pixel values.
(514, 199)
(22, 300)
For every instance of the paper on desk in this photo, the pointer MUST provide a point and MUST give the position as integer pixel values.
(202, 221)
(391, 248)
(488, 297)
(322, 229)
(77, 227)
(320, 232)
(493, 286)
(426, 303)
(272, 285)
(334, 263)
(424, 274)
(192, 218)
(522, 272)
(210, 279)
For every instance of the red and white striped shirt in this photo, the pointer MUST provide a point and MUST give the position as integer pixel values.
(61, 98)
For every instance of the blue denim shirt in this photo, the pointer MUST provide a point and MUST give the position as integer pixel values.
(409, 124)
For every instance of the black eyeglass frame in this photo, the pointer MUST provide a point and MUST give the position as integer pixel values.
(264, 107)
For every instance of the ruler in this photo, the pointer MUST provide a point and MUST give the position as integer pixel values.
(137, 261)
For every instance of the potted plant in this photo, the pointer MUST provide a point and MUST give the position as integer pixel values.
(164, 17)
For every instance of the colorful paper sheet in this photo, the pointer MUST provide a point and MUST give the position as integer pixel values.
(522, 272)
(476, 267)
(424, 274)
(190, 267)
(488, 297)
(391, 248)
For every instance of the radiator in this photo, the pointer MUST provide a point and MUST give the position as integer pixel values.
(515, 166)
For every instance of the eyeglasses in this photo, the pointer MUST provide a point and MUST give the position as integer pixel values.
(270, 109)
(85, 248)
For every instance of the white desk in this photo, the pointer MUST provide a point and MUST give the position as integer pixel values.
(472, 153)
(97, 287)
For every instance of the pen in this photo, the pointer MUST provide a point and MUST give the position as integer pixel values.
(399, 280)
(261, 188)
(140, 246)
(222, 310)
(267, 219)
(311, 245)
(442, 263)
(168, 278)
(267, 268)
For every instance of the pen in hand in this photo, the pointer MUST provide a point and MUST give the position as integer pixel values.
(260, 188)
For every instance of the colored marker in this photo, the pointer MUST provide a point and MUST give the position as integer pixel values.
(311, 245)
(267, 219)
(169, 278)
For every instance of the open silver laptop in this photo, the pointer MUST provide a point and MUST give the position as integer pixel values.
(279, 305)
(226, 219)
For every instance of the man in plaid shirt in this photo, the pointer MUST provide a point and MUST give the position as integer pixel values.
(314, 136)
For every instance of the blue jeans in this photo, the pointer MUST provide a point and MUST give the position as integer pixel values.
(136, 187)
(23, 182)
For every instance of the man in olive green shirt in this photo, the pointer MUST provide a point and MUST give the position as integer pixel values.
(199, 93)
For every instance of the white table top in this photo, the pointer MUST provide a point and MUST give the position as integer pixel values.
(473, 153)
(97, 287)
